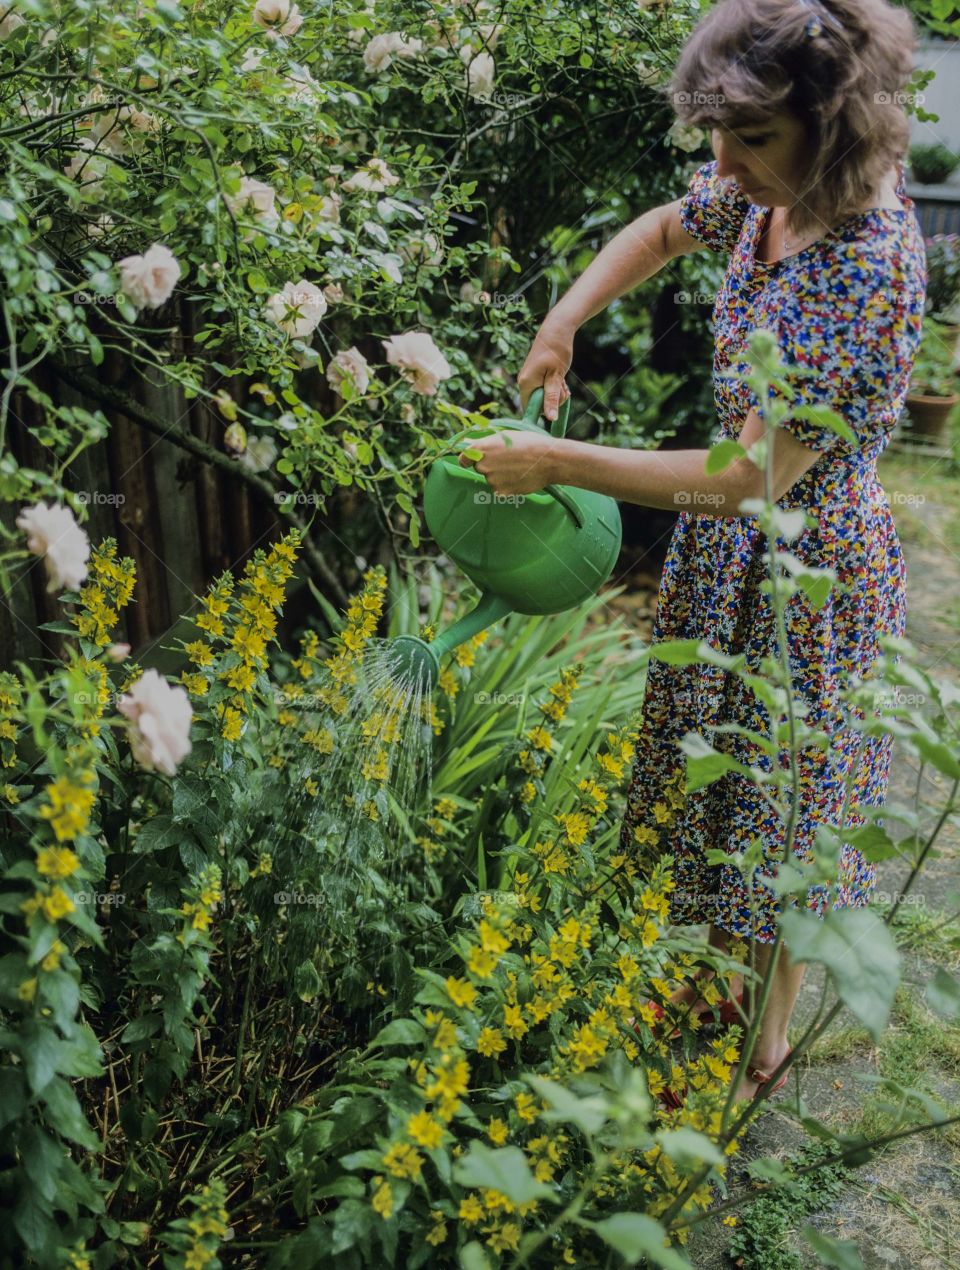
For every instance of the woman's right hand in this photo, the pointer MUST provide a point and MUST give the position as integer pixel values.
(547, 363)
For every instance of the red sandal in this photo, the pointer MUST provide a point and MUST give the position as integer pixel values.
(761, 1078)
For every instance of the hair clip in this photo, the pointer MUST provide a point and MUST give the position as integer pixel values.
(814, 26)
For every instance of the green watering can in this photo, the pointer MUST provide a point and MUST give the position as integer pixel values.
(528, 553)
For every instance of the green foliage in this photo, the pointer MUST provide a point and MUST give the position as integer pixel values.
(934, 370)
(943, 275)
(762, 1237)
(389, 193)
(932, 163)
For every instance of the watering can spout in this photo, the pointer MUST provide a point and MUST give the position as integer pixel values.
(415, 657)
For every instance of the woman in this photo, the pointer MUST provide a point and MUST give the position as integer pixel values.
(805, 194)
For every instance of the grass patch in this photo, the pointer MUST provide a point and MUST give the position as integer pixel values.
(925, 931)
(917, 1046)
(763, 1238)
(838, 1044)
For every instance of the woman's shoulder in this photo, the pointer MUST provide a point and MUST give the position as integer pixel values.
(714, 208)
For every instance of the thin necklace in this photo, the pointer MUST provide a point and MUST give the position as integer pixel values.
(787, 244)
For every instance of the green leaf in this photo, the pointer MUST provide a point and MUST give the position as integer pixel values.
(33, 1220)
(943, 994)
(840, 1253)
(62, 993)
(306, 981)
(588, 1114)
(505, 1170)
(721, 455)
(139, 1029)
(399, 1032)
(66, 1116)
(40, 1050)
(634, 1235)
(473, 1256)
(158, 833)
(859, 953)
(705, 764)
(825, 418)
(687, 1146)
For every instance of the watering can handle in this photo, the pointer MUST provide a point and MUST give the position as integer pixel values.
(532, 416)
(535, 409)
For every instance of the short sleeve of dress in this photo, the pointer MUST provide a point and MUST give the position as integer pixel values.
(713, 210)
(849, 322)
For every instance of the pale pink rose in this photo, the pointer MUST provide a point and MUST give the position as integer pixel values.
(374, 175)
(481, 73)
(253, 58)
(118, 652)
(419, 359)
(102, 225)
(298, 308)
(87, 169)
(260, 454)
(334, 292)
(278, 16)
(305, 90)
(52, 532)
(490, 33)
(9, 24)
(108, 128)
(349, 363)
(329, 209)
(382, 49)
(159, 729)
(254, 198)
(148, 280)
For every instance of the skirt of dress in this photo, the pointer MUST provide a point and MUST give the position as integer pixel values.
(711, 589)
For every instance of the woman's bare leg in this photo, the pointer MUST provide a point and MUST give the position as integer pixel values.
(687, 993)
(772, 1045)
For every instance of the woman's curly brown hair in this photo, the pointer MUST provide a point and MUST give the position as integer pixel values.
(749, 59)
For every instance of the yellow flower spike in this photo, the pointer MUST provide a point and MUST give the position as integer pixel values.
(57, 862)
(425, 1130)
(461, 992)
(490, 1042)
(497, 1131)
(471, 1210)
(382, 1201)
(525, 1106)
(540, 738)
(481, 963)
(56, 905)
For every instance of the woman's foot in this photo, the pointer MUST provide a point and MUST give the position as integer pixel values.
(730, 1009)
(762, 1065)
(686, 996)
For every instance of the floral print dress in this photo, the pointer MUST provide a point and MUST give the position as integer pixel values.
(849, 306)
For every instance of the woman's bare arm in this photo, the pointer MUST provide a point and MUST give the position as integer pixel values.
(639, 251)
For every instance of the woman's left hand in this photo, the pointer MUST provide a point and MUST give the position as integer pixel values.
(522, 466)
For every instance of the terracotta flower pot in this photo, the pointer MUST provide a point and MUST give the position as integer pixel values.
(928, 415)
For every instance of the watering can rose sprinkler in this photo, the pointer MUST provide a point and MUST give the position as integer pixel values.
(527, 553)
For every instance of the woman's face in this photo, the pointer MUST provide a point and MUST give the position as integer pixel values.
(767, 160)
